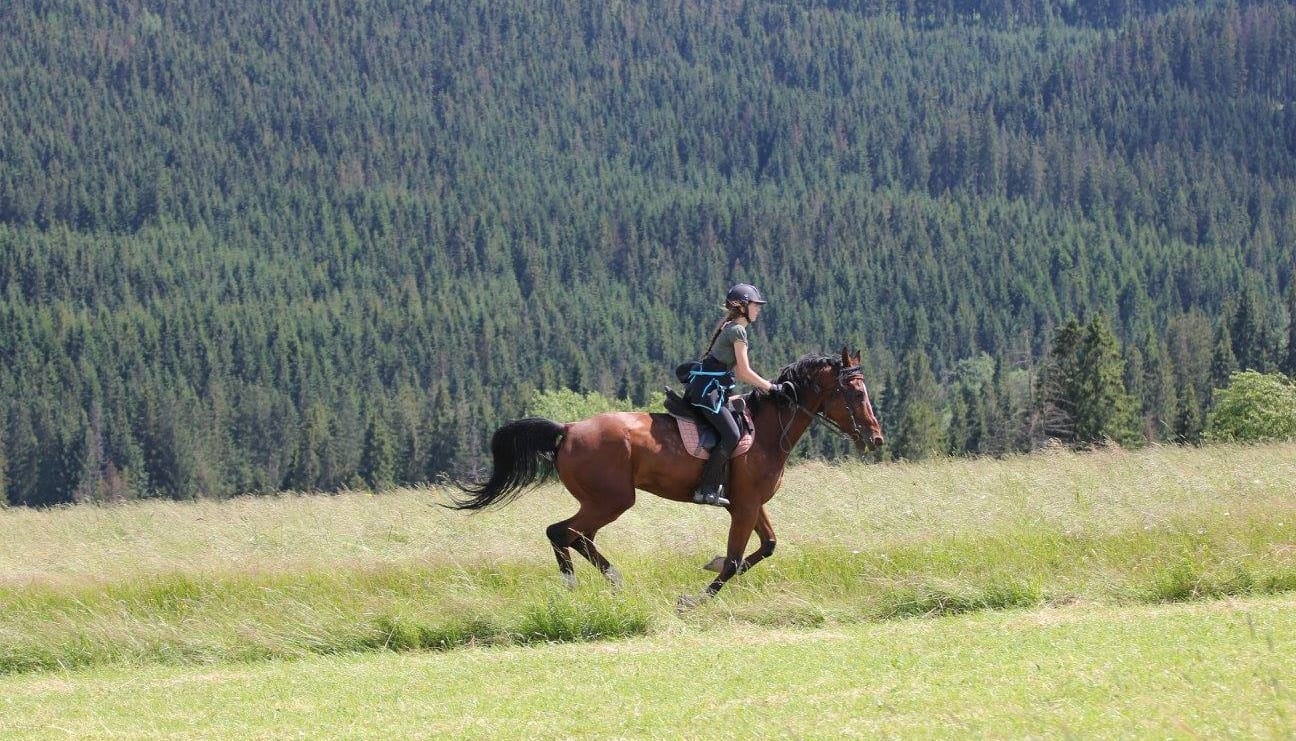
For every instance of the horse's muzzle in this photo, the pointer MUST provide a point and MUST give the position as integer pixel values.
(864, 445)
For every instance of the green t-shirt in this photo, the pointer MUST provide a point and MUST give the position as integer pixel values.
(723, 350)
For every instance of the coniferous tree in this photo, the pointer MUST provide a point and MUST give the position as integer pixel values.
(1249, 334)
(4, 464)
(378, 464)
(1289, 358)
(1188, 420)
(918, 432)
(23, 451)
(1159, 402)
(959, 431)
(888, 409)
(1135, 377)
(1061, 384)
(94, 461)
(1223, 362)
(1104, 409)
(998, 439)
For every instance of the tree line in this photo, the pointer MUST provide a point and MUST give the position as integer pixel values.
(336, 245)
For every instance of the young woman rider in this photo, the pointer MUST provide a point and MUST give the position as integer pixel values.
(725, 360)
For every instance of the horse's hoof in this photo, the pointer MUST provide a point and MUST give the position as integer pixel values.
(687, 602)
(614, 578)
(569, 580)
(715, 564)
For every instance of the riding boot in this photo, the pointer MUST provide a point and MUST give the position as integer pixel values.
(715, 472)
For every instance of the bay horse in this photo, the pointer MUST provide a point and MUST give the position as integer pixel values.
(604, 459)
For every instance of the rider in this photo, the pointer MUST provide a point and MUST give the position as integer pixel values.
(708, 388)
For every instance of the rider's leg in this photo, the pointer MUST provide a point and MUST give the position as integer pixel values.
(710, 489)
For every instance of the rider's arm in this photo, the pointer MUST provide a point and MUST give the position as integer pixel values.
(743, 370)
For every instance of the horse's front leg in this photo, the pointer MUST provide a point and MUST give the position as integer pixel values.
(764, 531)
(742, 520)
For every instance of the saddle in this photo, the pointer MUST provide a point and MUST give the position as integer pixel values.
(698, 435)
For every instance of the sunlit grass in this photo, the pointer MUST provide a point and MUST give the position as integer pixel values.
(1218, 669)
(293, 576)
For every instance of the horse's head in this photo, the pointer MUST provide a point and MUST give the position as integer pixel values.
(847, 404)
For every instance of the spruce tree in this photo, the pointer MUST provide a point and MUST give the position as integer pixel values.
(1135, 377)
(1159, 395)
(956, 438)
(378, 461)
(1104, 409)
(997, 438)
(1289, 357)
(1246, 331)
(1188, 419)
(918, 432)
(1252, 345)
(249, 259)
(23, 451)
(1060, 384)
(4, 464)
(1223, 362)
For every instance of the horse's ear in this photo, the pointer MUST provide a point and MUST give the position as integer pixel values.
(858, 358)
(845, 357)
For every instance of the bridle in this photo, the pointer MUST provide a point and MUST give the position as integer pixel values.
(855, 435)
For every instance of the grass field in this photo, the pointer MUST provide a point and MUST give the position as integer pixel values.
(1205, 669)
(285, 577)
(198, 599)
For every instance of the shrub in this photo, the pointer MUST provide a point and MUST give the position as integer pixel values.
(1253, 407)
(565, 405)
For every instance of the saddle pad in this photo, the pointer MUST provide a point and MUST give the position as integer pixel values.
(694, 438)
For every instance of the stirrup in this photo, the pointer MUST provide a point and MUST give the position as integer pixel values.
(715, 497)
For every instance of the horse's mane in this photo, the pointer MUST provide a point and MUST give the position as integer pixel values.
(800, 372)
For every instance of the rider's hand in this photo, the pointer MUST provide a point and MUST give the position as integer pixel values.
(784, 390)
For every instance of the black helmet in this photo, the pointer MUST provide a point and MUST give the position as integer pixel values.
(746, 293)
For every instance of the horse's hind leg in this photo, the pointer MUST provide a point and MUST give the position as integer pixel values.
(560, 537)
(567, 534)
(579, 531)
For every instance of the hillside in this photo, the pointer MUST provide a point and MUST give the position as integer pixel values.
(244, 250)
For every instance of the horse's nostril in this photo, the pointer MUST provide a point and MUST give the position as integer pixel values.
(877, 440)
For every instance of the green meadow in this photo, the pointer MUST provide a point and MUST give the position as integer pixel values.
(1215, 669)
(290, 576)
(1031, 595)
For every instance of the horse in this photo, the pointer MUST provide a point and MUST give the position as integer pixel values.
(604, 459)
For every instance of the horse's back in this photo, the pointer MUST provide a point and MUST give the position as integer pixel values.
(610, 433)
(639, 448)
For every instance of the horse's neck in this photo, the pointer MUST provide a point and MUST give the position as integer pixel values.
(777, 432)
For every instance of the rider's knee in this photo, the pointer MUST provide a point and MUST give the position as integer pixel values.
(728, 442)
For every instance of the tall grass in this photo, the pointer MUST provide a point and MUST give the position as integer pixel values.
(291, 576)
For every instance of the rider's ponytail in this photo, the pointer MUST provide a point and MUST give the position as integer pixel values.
(736, 309)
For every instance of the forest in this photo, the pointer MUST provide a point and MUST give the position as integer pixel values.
(247, 248)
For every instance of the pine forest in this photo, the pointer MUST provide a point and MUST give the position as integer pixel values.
(250, 247)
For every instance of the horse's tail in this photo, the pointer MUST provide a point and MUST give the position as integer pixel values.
(523, 454)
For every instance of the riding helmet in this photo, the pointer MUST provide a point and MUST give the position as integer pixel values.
(746, 293)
